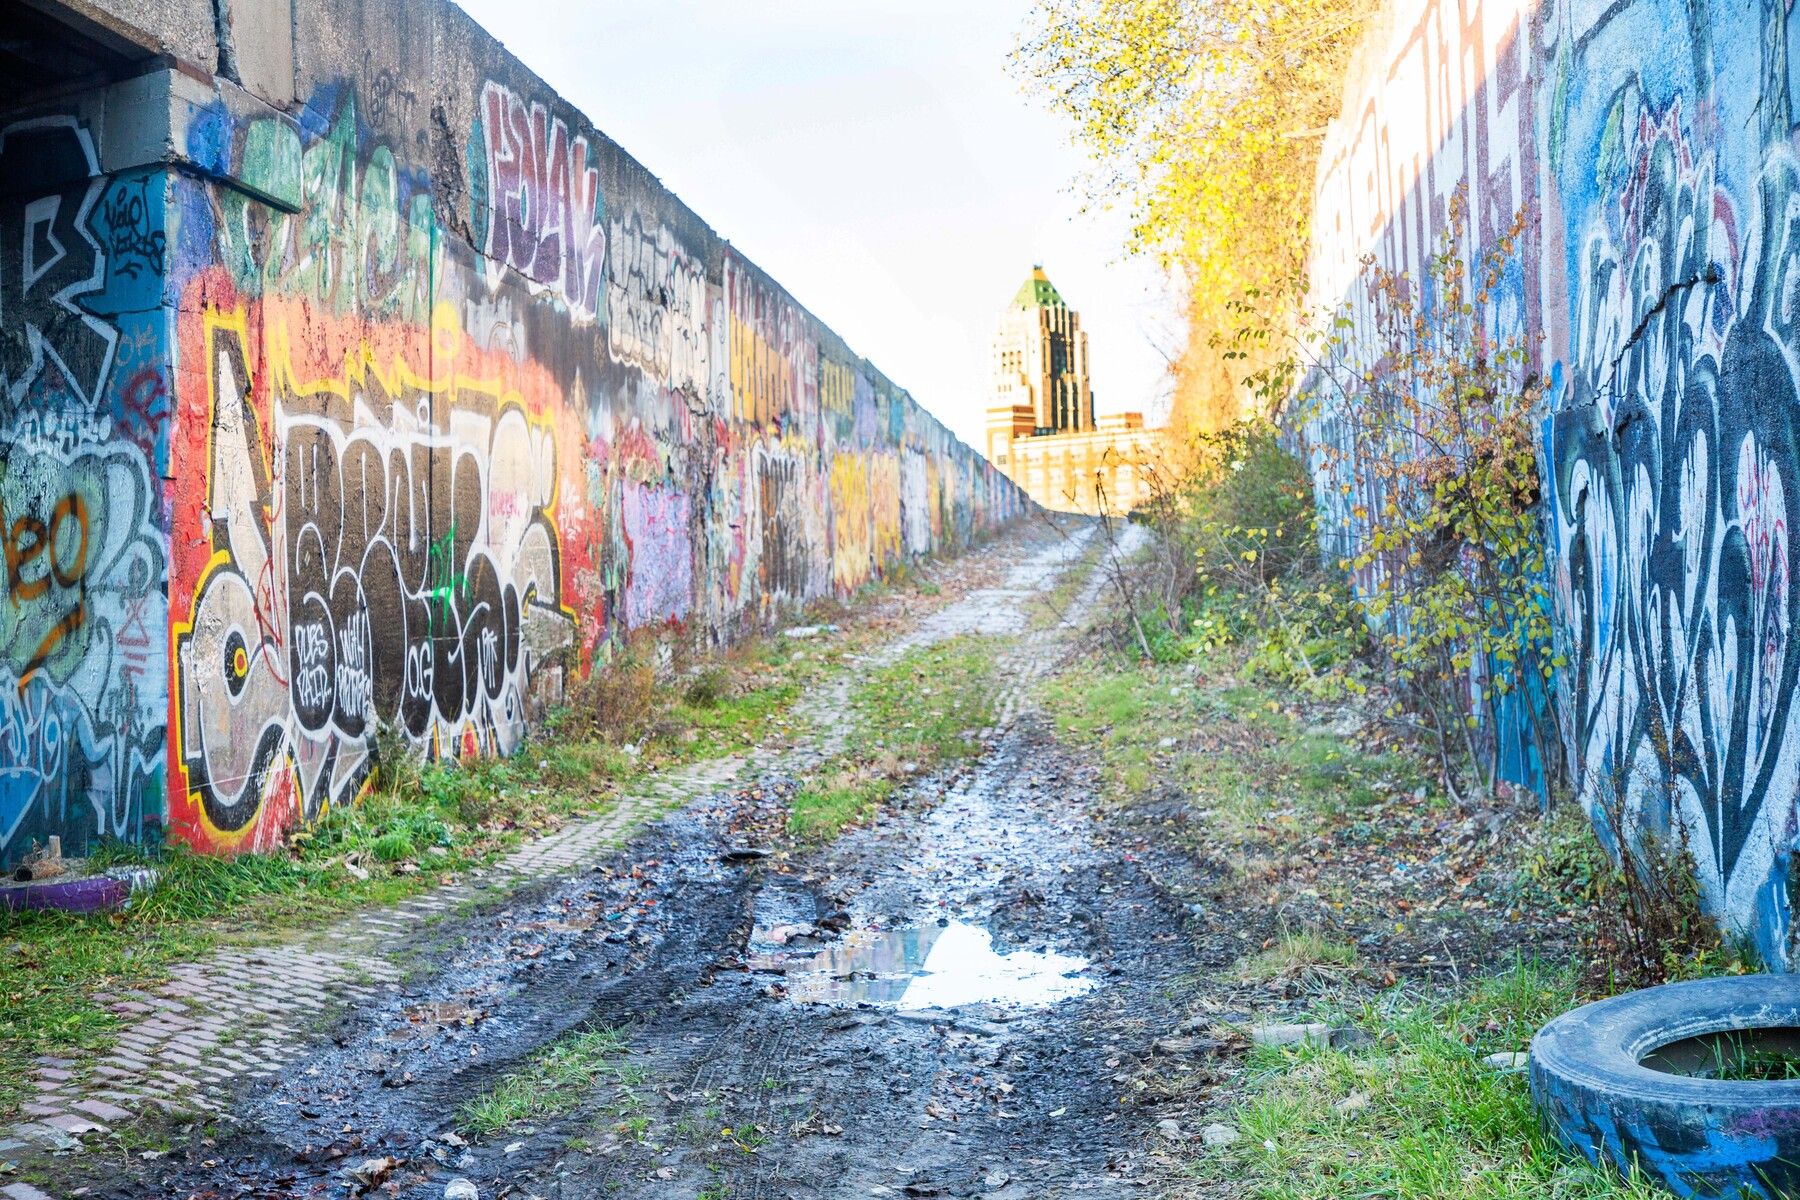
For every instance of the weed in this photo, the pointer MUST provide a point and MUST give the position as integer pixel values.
(1656, 926)
(619, 698)
(707, 688)
(554, 1081)
(1296, 956)
(1735, 1055)
(395, 846)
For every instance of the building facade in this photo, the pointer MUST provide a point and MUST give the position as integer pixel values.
(1041, 429)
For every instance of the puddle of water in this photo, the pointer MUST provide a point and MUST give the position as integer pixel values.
(929, 967)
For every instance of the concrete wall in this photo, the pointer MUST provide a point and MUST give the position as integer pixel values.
(384, 389)
(1652, 144)
(1439, 102)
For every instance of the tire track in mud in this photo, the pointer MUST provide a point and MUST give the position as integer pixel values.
(929, 1139)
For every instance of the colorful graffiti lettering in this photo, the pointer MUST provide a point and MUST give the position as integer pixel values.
(360, 235)
(540, 206)
(774, 375)
(383, 552)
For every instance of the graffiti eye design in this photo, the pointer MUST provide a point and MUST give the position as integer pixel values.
(237, 662)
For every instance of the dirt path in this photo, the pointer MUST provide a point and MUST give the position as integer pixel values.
(815, 1028)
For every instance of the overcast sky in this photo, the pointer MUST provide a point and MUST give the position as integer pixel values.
(872, 155)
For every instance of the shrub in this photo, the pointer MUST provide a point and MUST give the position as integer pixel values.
(1239, 561)
(1422, 417)
(620, 697)
(707, 688)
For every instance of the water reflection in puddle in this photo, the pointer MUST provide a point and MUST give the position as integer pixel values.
(929, 967)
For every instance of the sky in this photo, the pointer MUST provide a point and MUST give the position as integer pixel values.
(876, 158)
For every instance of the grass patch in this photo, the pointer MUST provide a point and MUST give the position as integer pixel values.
(556, 1080)
(913, 717)
(842, 794)
(1295, 955)
(1417, 1115)
(1245, 751)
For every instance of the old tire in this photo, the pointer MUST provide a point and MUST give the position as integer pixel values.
(1698, 1136)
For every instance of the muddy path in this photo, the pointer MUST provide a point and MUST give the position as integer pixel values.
(935, 1005)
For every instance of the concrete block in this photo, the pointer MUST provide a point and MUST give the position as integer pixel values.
(263, 36)
(103, 1110)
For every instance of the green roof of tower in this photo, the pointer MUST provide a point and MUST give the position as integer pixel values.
(1038, 292)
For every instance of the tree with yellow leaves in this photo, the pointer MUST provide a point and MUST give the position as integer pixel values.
(1205, 118)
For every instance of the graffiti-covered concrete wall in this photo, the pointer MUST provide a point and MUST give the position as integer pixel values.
(1438, 110)
(1652, 147)
(351, 379)
(1671, 235)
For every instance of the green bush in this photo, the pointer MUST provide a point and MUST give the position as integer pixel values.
(396, 845)
(1242, 507)
(1249, 513)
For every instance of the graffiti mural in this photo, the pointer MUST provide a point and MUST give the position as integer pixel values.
(1452, 108)
(53, 261)
(662, 567)
(373, 423)
(774, 365)
(656, 306)
(379, 555)
(540, 200)
(359, 235)
(84, 621)
(1674, 450)
(78, 634)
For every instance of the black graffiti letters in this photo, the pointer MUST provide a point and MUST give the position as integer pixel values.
(49, 260)
(420, 572)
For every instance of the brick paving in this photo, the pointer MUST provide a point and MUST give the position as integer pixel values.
(242, 1012)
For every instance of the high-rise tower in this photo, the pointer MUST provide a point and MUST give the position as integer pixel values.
(1041, 427)
(1040, 360)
